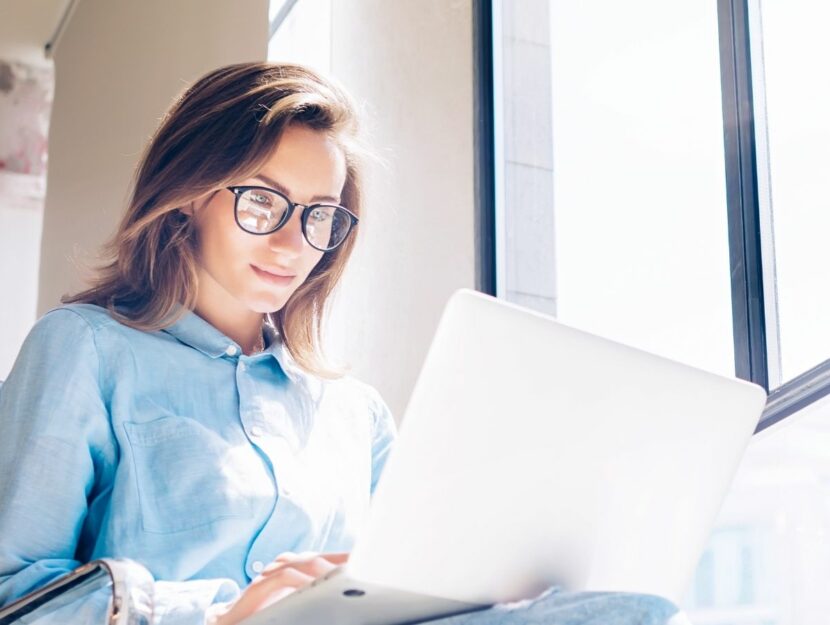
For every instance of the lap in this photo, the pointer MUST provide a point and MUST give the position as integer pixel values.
(558, 607)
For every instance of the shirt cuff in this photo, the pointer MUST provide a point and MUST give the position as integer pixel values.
(190, 603)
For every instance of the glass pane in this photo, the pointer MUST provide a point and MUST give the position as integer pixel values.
(304, 36)
(790, 48)
(611, 174)
(768, 559)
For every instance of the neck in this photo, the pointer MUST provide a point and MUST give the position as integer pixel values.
(226, 314)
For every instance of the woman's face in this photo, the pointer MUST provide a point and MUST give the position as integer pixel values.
(239, 269)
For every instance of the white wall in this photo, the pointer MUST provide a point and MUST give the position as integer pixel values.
(417, 239)
(118, 67)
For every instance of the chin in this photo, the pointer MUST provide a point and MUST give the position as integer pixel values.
(266, 305)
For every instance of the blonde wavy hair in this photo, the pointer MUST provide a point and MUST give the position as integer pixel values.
(220, 130)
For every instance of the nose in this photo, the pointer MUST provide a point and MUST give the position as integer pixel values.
(288, 241)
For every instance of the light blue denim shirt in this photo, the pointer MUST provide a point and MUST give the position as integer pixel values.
(173, 449)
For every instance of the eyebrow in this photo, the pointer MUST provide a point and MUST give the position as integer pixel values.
(282, 189)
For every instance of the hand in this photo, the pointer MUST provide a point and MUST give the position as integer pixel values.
(288, 572)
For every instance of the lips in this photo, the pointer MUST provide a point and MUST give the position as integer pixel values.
(280, 273)
(273, 276)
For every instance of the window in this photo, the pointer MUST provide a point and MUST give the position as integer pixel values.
(656, 179)
(657, 175)
(610, 174)
(792, 137)
(301, 32)
(768, 558)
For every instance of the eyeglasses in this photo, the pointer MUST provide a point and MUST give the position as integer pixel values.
(260, 210)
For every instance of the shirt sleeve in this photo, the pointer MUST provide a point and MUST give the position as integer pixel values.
(384, 433)
(58, 457)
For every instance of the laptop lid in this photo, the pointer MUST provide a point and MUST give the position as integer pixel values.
(532, 454)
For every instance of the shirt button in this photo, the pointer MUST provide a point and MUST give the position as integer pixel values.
(232, 350)
(256, 431)
(257, 566)
(242, 366)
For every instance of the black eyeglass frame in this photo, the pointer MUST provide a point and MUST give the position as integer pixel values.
(239, 190)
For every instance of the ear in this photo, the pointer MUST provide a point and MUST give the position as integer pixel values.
(188, 209)
(191, 208)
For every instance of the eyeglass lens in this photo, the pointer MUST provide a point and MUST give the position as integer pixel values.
(260, 211)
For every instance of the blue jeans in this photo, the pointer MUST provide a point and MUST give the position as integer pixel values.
(553, 607)
(558, 607)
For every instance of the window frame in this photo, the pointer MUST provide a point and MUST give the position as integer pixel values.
(280, 17)
(484, 147)
(748, 211)
(749, 245)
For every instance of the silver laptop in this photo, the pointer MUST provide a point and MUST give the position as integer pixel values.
(533, 454)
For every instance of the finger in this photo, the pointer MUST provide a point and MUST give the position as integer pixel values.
(277, 596)
(316, 566)
(336, 558)
(289, 557)
(287, 576)
(265, 591)
(286, 556)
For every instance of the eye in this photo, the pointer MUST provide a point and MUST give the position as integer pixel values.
(260, 199)
(320, 215)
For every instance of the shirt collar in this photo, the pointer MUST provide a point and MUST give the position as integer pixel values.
(194, 331)
(279, 351)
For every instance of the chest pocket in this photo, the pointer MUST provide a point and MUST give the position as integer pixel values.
(188, 476)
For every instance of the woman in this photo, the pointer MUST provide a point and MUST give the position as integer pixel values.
(178, 412)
